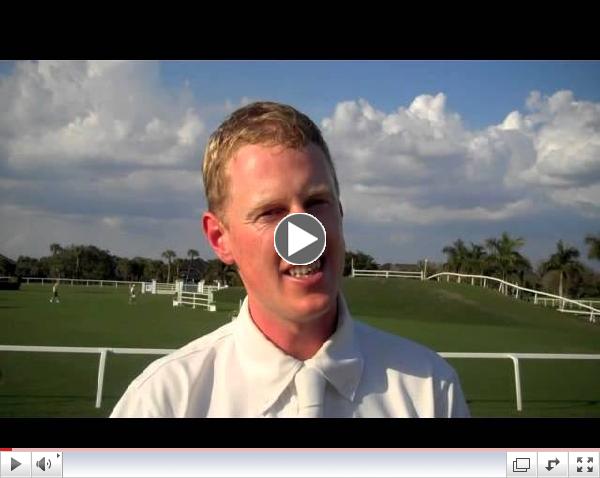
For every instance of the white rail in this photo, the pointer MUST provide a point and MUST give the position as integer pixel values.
(72, 282)
(195, 299)
(152, 287)
(204, 288)
(592, 311)
(515, 359)
(558, 302)
(388, 274)
(103, 352)
(165, 289)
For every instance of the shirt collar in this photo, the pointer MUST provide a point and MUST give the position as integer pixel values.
(270, 370)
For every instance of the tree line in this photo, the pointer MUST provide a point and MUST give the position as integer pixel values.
(90, 262)
(561, 273)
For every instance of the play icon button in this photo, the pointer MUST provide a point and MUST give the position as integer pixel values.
(300, 238)
(15, 463)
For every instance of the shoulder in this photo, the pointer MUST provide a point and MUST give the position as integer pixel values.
(164, 387)
(412, 374)
(401, 354)
(192, 355)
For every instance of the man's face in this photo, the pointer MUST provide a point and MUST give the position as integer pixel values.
(267, 183)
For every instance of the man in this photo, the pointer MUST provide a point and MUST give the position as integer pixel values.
(132, 293)
(54, 297)
(294, 349)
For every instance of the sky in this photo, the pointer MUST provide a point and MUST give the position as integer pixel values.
(109, 153)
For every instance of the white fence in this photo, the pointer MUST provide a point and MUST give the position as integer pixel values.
(153, 287)
(164, 289)
(558, 303)
(147, 287)
(202, 298)
(419, 275)
(388, 274)
(84, 282)
(515, 357)
(103, 351)
(195, 299)
(172, 288)
(203, 288)
(159, 287)
(581, 308)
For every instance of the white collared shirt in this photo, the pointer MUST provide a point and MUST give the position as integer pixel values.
(236, 371)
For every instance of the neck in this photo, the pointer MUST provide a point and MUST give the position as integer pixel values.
(301, 340)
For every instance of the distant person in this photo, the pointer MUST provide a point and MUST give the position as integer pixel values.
(132, 294)
(54, 298)
(294, 350)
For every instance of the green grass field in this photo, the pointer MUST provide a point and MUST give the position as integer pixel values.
(446, 317)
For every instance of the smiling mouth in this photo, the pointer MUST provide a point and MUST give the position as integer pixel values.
(307, 270)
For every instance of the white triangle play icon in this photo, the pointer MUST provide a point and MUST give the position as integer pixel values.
(298, 239)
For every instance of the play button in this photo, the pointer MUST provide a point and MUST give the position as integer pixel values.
(300, 238)
(15, 463)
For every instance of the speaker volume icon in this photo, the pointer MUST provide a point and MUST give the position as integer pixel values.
(43, 463)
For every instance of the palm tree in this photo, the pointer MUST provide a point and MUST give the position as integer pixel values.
(192, 254)
(476, 258)
(594, 243)
(217, 270)
(169, 255)
(457, 255)
(178, 265)
(227, 273)
(564, 260)
(504, 255)
(56, 249)
(78, 251)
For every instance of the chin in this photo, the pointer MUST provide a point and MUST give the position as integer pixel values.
(314, 305)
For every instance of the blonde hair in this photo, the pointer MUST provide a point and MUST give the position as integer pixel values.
(265, 123)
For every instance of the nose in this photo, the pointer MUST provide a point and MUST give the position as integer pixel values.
(298, 211)
(297, 208)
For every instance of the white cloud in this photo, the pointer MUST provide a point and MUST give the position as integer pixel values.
(112, 222)
(66, 113)
(422, 165)
(103, 152)
(375, 209)
(585, 199)
(514, 121)
(136, 235)
(567, 140)
(95, 152)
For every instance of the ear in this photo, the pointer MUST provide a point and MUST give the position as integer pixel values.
(218, 237)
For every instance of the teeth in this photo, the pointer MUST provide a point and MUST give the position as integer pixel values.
(301, 271)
